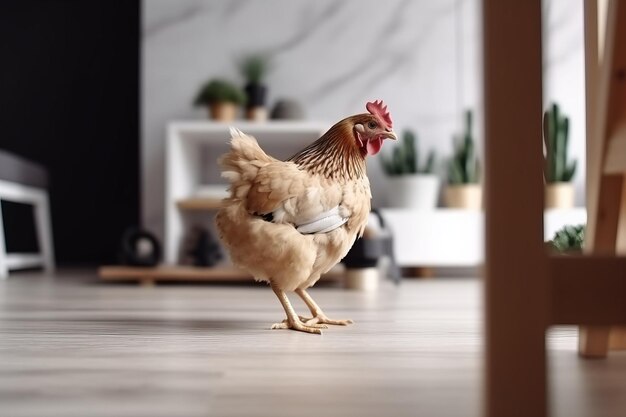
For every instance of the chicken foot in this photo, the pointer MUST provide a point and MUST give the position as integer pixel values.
(293, 321)
(318, 315)
(285, 322)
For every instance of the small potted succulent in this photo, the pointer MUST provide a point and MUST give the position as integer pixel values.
(254, 68)
(558, 171)
(568, 240)
(222, 98)
(411, 185)
(464, 189)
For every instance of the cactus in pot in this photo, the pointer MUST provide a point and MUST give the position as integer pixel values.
(411, 183)
(556, 138)
(405, 158)
(464, 167)
(464, 190)
(558, 171)
(254, 69)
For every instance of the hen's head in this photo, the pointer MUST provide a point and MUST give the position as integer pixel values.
(370, 129)
(342, 149)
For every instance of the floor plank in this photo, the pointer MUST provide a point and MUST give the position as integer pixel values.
(71, 346)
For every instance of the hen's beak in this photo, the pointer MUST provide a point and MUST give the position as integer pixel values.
(390, 135)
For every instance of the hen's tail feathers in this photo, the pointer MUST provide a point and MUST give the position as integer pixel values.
(242, 162)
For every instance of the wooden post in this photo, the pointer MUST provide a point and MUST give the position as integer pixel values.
(516, 286)
(605, 88)
(147, 281)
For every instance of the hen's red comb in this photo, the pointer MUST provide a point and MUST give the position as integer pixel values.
(378, 109)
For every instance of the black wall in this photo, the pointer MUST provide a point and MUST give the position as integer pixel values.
(69, 99)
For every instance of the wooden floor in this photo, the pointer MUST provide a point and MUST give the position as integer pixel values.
(71, 346)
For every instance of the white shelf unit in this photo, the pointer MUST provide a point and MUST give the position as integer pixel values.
(192, 150)
(453, 237)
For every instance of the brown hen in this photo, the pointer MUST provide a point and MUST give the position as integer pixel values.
(288, 222)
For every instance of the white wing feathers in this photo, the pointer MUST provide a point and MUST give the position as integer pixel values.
(235, 132)
(324, 223)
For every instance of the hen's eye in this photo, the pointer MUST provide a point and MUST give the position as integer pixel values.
(372, 125)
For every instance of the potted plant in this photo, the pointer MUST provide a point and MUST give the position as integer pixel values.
(254, 68)
(411, 185)
(222, 98)
(568, 240)
(558, 171)
(464, 189)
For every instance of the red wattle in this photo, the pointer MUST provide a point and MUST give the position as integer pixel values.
(374, 145)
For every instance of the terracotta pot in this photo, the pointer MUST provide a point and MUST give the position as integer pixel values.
(559, 195)
(223, 112)
(466, 196)
(419, 191)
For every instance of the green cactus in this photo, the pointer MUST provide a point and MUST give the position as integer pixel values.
(569, 238)
(556, 137)
(464, 167)
(405, 158)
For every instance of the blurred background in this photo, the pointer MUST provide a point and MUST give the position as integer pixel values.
(90, 88)
(112, 116)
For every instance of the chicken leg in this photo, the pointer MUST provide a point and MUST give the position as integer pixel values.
(318, 315)
(293, 321)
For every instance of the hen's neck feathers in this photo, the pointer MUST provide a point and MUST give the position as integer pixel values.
(335, 155)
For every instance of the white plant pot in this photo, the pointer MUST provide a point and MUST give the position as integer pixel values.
(466, 196)
(559, 195)
(417, 191)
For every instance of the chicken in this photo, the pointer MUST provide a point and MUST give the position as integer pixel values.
(288, 222)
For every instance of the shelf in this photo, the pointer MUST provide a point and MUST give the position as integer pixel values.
(199, 203)
(267, 132)
(447, 237)
(149, 275)
(173, 273)
(192, 148)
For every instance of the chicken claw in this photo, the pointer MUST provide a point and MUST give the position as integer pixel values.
(293, 321)
(322, 319)
(318, 316)
(303, 320)
(300, 326)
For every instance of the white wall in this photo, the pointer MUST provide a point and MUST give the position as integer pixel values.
(420, 56)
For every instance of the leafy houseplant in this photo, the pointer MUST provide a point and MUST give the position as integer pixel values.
(464, 190)
(222, 98)
(411, 184)
(254, 69)
(569, 239)
(558, 171)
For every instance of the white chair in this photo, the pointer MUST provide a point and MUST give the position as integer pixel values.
(25, 182)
